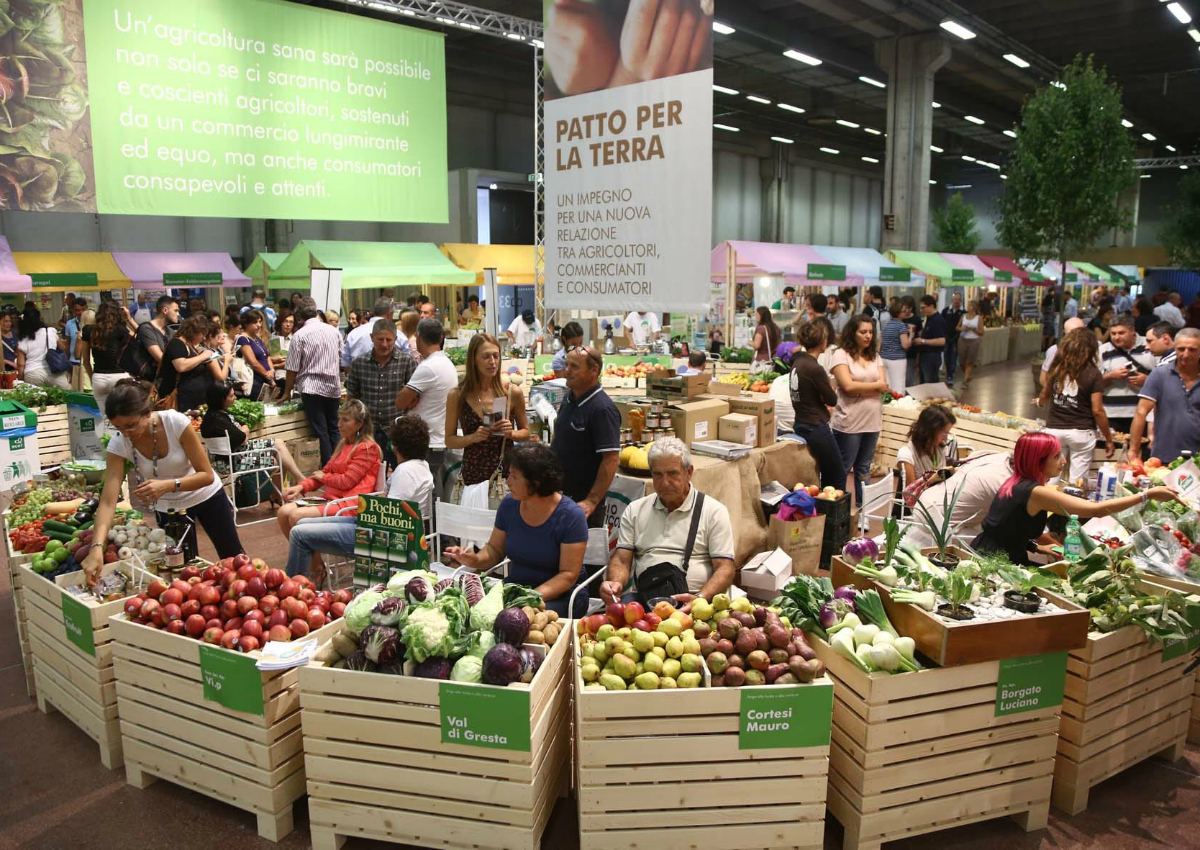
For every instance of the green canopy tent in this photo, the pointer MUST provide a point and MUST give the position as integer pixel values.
(263, 265)
(367, 265)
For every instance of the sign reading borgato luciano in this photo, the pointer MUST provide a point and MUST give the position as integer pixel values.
(1031, 683)
(628, 173)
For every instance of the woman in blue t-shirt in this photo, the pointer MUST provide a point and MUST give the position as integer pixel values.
(895, 340)
(542, 532)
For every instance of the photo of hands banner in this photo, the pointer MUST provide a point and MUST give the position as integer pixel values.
(628, 174)
(230, 108)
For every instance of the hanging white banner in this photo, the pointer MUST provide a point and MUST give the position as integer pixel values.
(628, 136)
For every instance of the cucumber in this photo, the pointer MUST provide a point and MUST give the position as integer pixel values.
(61, 527)
(57, 535)
(85, 526)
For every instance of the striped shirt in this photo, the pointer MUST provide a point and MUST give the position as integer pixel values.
(889, 340)
(1120, 399)
(315, 355)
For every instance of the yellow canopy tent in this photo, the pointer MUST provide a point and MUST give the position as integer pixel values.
(514, 264)
(71, 271)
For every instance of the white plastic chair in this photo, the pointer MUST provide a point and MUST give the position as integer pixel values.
(467, 524)
(881, 494)
(218, 448)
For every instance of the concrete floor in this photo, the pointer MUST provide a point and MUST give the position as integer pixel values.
(54, 793)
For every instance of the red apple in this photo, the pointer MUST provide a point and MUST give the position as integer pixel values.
(595, 621)
(193, 581)
(616, 614)
(641, 624)
(246, 572)
(248, 643)
(256, 587)
(252, 628)
(652, 620)
(210, 596)
(209, 611)
(171, 596)
(156, 588)
(278, 617)
(235, 623)
(323, 604)
(182, 586)
(226, 563)
(195, 625)
(238, 589)
(189, 571)
(240, 560)
(295, 609)
(299, 628)
(133, 607)
(246, 604)
(228, 578)
(197, 593)
(213, 623)
(288, 588)
(274, 578)
(213, 635)
(189, 608)
(229, 640)
(337, 609)
(344, 596)
(279, 632)
(176, 627)
(268, 603)
(633, 612)
(256, 614)
(307, 595)
(316, 619)
(229, 609)
(210, 574)
(258, 564)
(150, 608)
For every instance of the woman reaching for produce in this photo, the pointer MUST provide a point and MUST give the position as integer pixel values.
(170, 462)
(1020, 510)
(928, 447)
(542, 532)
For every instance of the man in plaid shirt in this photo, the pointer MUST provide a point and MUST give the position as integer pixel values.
(378, 376)
(314, 369)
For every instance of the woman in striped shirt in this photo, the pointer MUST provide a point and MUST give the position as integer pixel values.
(895, 341)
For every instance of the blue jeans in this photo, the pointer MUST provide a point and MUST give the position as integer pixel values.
(327, 535)
(322, 414)
(825, 451)
(858, 450)
(951, 357)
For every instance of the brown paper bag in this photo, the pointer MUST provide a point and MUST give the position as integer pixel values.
(801, 539)
(307, 454)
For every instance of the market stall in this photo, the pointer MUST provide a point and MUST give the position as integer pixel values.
(514, 264)
(874, 267)
(56, 273)
(260, 270)
(160, 270)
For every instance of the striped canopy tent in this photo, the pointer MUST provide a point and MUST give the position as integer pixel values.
(1130, 274)
(799, 265)
(514, 264)
(1091, 273)
(262, 266)
(11, 280)
(1052, 271)
(939, 270)
(71, 271)
(367, 265)
(876, 269)
(1020, 276)
(164, 270)
(984, 274)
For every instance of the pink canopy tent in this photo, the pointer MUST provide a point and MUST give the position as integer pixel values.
(154, 270)
(970, 261)
(11, 279)
(1021, 277)
(791, 262)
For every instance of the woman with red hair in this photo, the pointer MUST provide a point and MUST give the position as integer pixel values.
(1019, 512)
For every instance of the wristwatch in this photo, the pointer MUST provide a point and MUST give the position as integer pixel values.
(176, 485)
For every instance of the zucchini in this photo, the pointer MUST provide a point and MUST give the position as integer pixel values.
(84, 526)
(57, 535)
(55, 525)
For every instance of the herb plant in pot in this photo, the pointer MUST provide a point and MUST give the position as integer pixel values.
(941, 530)
(1023, 596)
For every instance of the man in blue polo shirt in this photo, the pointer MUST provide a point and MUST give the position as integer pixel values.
(587, 434)
(1172, 392)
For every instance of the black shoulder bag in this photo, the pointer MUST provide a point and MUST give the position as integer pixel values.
(667, 579)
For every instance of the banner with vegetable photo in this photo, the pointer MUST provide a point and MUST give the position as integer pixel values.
(628, 154)
(389, 537)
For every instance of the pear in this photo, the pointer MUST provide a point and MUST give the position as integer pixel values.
(624, 666)
(720, 602)
(660, 652)
(688, 634)
(652, 664)
(689, 680)
(671, 627)
(625, 632)
(691, 645)
(660, 638)
(702, 609)
(629, 652)
(588, 650)
(600, 654)
(605, 632)
(647, 682)
(642, 641)
(666, 683)
(639, 669)
(672, 668)
(593, 686)
(612, 682)
(613, 645)
(691, 663)
(674, 647)
(743, 604)
(589, 672)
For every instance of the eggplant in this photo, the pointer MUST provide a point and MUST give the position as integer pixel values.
(90, 505)
(82, 516)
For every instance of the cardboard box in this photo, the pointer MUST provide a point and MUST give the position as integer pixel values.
(717, 389)
(697, 420)
(738, 428)
(766, 431)
(766, 573)
(801, 539)
(762, 407)
(307, 454)
(663, 383)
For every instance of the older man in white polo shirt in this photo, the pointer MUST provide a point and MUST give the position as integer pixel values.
(655, 531)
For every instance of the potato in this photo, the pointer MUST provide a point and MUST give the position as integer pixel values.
(553, 615)
(536, 637)
(551, 632)
(540, 621)
(326, 654)
(530, 612)
(343, 645)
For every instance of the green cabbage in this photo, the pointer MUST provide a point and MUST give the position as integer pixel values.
(453, 603)
(483, 615)
(518, 596)
(480, 643)
(358, 612)
(468, 669)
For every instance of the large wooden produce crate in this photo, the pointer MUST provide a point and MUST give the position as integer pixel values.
(1126, 700)
(380, 766)
(73, 654)
(284, 426)
(664, 770)
(1190, 587)
(921, 752)
(54, 435)
(968, 641)
(15, 578)
(171, 731)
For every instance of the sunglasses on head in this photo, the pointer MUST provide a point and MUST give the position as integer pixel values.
(586, 351)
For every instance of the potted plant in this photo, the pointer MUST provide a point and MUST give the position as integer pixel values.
(941, 531)
(1023, 597)
(957, 589)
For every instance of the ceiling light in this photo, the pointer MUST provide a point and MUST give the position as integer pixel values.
(758, 99)
(872, 82)
(538, 43)
(936, 149)
(727, 128)
(1179, 12)
(957, 29)
(968, 158)
(830, 150)
(1183, 168)
(990, 165)
(958, 186)
(932, 182)
(494, 186)
(870, 159)
(782, 140)
(872, 131)
(802, 57)
(724, 89)
(1003, 176)
(790, 108)
(1126, 123)
(1016, 60)
(1171, 148)
(1058, 85)
(515, 36)
(1150, 137)
(723, 29)
(973, 119)
(846, 123)
(935, 104)
(1194, 33)
(1012, 134)
(1144, 176)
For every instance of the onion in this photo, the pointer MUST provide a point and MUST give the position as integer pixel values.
(858, 549)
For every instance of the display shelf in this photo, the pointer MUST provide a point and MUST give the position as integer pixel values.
(378, 767)
(1123, 704)
(15, 561)
(169, 731)
(915, 753)
(645, 767)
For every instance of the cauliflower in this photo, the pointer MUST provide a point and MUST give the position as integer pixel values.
(427, 633)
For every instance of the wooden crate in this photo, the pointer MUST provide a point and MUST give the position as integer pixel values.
(15, 577)
(285, 426)
(1123, 704)
(968, 642)
(77, 683)
(645, 765)
(253, 762)
(921, 752)
(1189, 587)
(378, 768)
(54, 435)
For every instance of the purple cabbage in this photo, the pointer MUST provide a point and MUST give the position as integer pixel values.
(388, 611)
(443, 584)
(471, 586)
(511, 626)
(531, 662)
(380, 643)
(419, 590)
(358, 660)
(434, 668)
(847, 592)
(502, 665)
(859, 549)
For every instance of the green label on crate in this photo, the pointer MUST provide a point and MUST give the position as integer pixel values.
(77, 621)
(962, 275)
(484, 716)
(824, 271)
(1031, 683)
(1173, 649)
(895, 274)
(231, 680)
(785, 717)
(1002, 276)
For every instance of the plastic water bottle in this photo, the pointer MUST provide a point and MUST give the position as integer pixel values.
(1073, 544)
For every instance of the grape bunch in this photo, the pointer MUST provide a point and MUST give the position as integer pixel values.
(31, 508)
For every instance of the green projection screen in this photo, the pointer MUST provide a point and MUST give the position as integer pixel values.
(233, 108)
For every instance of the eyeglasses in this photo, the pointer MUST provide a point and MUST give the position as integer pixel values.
(586, 351)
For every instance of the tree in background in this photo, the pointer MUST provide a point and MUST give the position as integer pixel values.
(955, 224)
(1071, 162)
(1180, 234)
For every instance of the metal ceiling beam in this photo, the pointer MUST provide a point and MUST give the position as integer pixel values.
(453, 14)
(1156, 163)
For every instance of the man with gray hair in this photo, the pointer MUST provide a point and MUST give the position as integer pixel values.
(378, 376)
(1169, 311)
(1171, 392)
(358, 341)
(313, 360)
(425, 395)
(676, 543)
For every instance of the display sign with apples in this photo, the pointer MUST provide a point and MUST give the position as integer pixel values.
(231, 680)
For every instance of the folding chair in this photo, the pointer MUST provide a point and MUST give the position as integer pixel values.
(239, 464)
(881, 494)
(466, 524)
